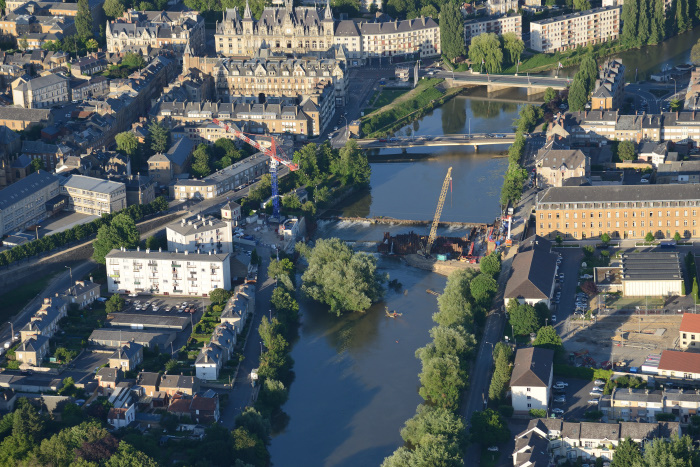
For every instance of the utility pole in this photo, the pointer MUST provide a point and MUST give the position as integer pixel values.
(12, 330)
(70, 271)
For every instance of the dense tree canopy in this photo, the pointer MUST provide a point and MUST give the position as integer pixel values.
(626, 151)
(340, 278)
(452, 30)
(126, 143)
(121, 232)
(514, 45)
(523, 318)
(201, 167)
(83, 20)
(159, 137)
(488, 428)
(491, 264)
(485, 53)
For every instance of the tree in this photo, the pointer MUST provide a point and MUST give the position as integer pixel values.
(695, 53)
(588, 72)
(121, 232)
(452, 341)
(252, 421)
(353, 165)
(273, 395)
(442, 381)
(577, 95)
(146, 6)
(549, 95)
(201, 166)
(83, 20)
(291, 202)
(643, 24)
(682, 8)
(279, 268)
(340, 278)
(451, 30)
(491, 264)
(548, 338)
(171, 366)
(626, 454)
(658, 17)
(630, 16)
(113, 8)
(605, 238)
(502, 355)
(626, 151)
(675, 105)
(309, 208)
(582, 5)
(483, 287)
(127, 455)
(677, 451)
(514, 45)
(219, 296)
(133, 60)
(453, 304)
(433, 421)
(91, 44)
(114, 304)
(649, 237)
(225, 152)
(523, 318)
(488, 428)
(160, 137)
(37, 165)
(485, 52)
(677, 237)
(23, 43)
(127, 143)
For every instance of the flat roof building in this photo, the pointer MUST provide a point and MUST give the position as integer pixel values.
(167, 272)
(112, 337)
(200, 234)
(96, 196)
(23, 203)
(141, 321)
(576, 29)
(651, 273)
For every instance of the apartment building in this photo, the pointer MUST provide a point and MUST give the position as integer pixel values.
(40, 93)
(266, 76)
(18, 119)
(531, 381)
(144, 30)
(222, 181)
(493, 24)
(167, 272)
(689, 334)
(24, 203)
(419, 37)
(95, 196)
(609, 86)
(625, 211)
(127, 356)
(200, 233)
(642, 405)
(575, 30)
(305, 117)
(501, 7)
(556, 167)
(548, 441)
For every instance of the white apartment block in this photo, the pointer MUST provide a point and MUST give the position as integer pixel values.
(95, 196)
(41, 92)
(575, 30)
(167, 272)
(420, 36)
(203, 234)
(501, 7)
(496, 24)
(531, 381)
(23, 203)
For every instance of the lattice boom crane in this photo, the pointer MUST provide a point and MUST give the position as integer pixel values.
(276, 155)
(438, 212)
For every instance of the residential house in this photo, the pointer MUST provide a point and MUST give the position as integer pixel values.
(689, 331)
(654, 152)
(107, 379)
(83, 293)
(609, 87)
(127, 357)
(231, 212)
(173, 384)
(236, 312)
(45, 320)
(148, 381)
(533, 278)
(201, 408)
(40, 93)
(164, 167)
(678, 172)
(32, 350)
(680, 365)
(209, 362)
(629, 404)
(556, 166)
(531, 380)
(121, 417)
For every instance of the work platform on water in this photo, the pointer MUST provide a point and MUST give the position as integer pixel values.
(391, 220)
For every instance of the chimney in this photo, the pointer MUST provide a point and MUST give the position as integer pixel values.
(176, 250)
(138, 248)
(148, 250)
(160, 250)
(91, 279)
(186, 252)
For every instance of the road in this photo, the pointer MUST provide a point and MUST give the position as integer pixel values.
(242, 392)
(521, 81)
(445, 140)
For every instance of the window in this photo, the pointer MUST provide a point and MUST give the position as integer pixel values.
(527, 389)
(529, 406)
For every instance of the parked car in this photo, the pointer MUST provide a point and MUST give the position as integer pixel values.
(599, 382)
(554, 319)
(560, 399)
(493, 448)
(593, 402)
(558, 411)
(559, 385)
(595, 393)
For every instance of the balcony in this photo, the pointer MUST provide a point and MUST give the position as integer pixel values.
(175, 265)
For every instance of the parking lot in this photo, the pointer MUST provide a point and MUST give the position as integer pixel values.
(146, 304)
(577, 395)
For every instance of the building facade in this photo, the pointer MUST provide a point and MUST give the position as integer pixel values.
(167, 273)
(501, 7)
(222, 181)
(627, 211)
(575, 30)
(493, 24)
(23, 203)
(531, 381)
(556, 166)
(95, 196)
(689, 334)
(609, 87)
(176, 30)
(41, 92)
(203, 234)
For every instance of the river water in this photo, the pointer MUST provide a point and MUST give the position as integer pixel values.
(357, 376)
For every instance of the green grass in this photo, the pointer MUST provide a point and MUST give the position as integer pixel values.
(14, 301)
(541, 61)
(388, 96)
(78, 325)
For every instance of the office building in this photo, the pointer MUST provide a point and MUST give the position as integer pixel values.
(575, 30)
(171, 273)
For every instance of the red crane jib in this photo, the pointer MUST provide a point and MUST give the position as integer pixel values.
(272, 152)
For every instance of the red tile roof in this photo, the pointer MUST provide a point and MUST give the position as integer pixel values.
(674, 360)
(690, 322)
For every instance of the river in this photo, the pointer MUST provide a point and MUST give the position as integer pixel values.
(357, 376)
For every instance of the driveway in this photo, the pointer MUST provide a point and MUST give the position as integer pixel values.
(571, 261)
(577, 397)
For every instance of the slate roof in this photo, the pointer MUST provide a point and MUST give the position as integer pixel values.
(638, 395)
(533, 366)
(126, 351)
(33, 344)
(180, 151)
(108, 375)
(43, 81)
(555, 158)
(127, 319)
(209, 354)
(346, 28)
(617, 193)
(24, 187)
(649, 147)
(533, 275)
(177, 381)
(22, 114)
(146, 378)
(7, 136)
(535, 242)
(392, 27)
(193, 225)
(141, 336)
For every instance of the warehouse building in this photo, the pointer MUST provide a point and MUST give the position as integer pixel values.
(140, 321)
(651, 274)
(113, 338)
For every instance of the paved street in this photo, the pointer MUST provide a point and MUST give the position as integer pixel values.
(521, 80)
(241, 394)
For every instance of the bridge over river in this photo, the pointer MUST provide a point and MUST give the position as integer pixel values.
(474, 139)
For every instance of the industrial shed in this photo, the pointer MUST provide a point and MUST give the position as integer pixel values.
(651, 274)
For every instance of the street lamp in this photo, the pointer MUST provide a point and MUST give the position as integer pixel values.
(70, 270)
(675, 87)
(12, 330)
